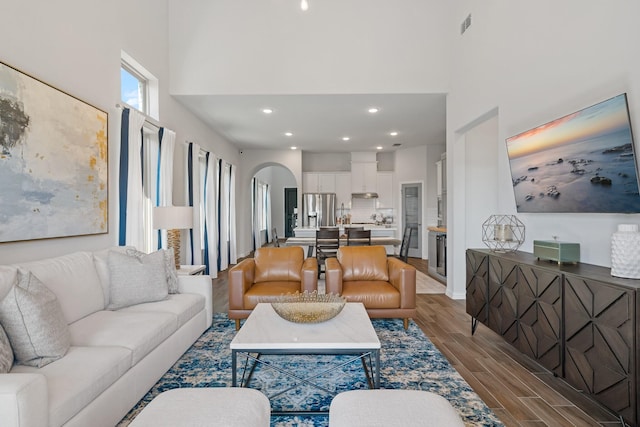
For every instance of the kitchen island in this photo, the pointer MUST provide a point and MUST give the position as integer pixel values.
(384, 235)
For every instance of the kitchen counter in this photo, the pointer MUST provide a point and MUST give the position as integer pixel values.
(376, 230)
(380, 235)
(438, 229)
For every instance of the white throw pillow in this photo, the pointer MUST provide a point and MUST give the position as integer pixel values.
(6, 352)
(169, 266)
(34, 322)
(136, 279)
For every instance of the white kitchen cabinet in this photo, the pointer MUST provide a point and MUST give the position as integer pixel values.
(364, 177)
(343, 189)
(319, 182)
(384, 185)
(309, 182)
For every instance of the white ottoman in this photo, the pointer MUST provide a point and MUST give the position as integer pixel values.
(406, 408)
(193, 407)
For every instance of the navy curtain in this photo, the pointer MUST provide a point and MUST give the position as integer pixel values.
(124, 173)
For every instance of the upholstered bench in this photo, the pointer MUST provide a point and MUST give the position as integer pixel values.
(388, 408)
(218, 406)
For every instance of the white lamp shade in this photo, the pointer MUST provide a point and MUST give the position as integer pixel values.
(172, 217)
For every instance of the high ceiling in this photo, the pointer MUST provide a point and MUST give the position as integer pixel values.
(318, 123)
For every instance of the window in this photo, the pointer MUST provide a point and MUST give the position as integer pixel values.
(138, 87)
(133, 89)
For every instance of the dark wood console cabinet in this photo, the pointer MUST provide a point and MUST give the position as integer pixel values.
(577, 321)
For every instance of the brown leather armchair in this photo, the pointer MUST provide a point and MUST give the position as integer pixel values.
(386, 286)
(271, 273)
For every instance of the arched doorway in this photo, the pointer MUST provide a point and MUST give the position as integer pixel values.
(274, 187)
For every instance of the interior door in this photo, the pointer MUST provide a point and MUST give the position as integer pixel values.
(290, 204)
(412, 215)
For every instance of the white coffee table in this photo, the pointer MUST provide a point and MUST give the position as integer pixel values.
(350, 332)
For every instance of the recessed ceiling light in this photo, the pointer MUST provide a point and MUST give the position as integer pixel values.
(294, 148)
(345, 138)
(394, 133)
(378, 148)
(288, 134)
(267, 110)
(373, 110)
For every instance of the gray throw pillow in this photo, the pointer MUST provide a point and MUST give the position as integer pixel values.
(169, 266)
(6, 352)
(34, 322)
(136, 279)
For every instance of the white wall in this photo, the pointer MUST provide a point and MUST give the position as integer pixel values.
(272, 47)
(534, 66)
(251, 161)
(75, 46)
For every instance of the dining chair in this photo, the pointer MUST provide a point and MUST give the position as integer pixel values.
(327, 244)
(358, 237)
(406, 242)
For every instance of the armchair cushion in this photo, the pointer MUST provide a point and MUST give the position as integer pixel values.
(364, 263)
(373, 294)
(278, 264)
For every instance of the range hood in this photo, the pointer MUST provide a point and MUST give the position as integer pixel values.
(364, 195)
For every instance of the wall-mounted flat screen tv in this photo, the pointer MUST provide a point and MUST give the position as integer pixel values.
(582, 162)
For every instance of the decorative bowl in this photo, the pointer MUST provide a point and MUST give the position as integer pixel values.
(308, 307)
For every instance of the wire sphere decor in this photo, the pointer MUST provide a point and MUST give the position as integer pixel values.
(503, 233)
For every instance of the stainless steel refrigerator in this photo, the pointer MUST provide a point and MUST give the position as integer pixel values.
(319, 209)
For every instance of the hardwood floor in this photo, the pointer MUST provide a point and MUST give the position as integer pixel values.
(518, 390)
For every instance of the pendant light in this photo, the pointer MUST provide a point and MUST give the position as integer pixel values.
(304, 5)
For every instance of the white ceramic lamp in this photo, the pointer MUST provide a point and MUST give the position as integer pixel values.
(173, 219)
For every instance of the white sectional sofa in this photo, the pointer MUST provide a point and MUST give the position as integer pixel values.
(115, 356)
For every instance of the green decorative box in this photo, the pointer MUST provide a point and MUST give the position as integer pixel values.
(560, 252)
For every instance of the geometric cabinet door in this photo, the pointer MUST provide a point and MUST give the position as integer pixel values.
(540, 316)
(599, 352)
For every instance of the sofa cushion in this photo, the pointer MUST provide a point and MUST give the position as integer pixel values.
(34, 322)
(278, 264)
(6, 352)
(363, 263)
(101, 261)
(139, 332)
(136, 279)
(8, 275)
(183, 306)
(74, 280)
(77, 379)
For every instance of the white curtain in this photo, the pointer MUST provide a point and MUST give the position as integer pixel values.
(224, 216)
(131, 221)
(167, 140)
(257, 213)
(268, 212)
(194, 240)
(210, 204)
(233, 255)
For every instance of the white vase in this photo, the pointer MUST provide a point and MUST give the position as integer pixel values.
(625, 252)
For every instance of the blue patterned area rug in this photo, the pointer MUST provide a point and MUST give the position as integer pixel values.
(408, 361)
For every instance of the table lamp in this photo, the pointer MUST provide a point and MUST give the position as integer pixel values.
(173, 219)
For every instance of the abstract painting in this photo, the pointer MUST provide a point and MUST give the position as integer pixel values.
(53, 162)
